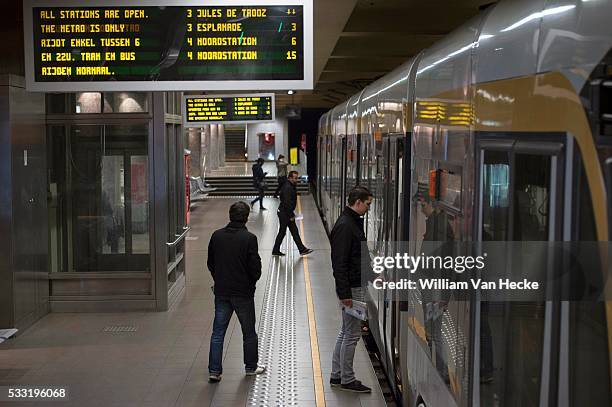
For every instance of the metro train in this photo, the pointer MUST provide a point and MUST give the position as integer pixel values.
(508, 120)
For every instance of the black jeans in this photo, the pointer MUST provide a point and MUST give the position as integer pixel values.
(281, 180)
(245, 310)
(260, 190)
(284, 222)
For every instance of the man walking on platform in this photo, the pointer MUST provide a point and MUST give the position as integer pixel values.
(259, 182)
(286, 216)
(235, 265)
(346, 239)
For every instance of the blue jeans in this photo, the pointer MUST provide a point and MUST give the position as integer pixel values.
(245, 310)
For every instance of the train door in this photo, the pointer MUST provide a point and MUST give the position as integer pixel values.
(323, 174)
(393, 222)
(336, 178)
(386, 297)
(329, 164)
(320, 168)
(343, 173)
(352, 161)
(365, 176)
(520, 199)
(399, 302)
(385, 219)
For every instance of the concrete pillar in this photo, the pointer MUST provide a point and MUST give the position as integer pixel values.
(221, 129)
(205, 149)
(214, 147)
(194, 145)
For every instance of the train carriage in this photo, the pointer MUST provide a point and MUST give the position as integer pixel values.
(509, 120)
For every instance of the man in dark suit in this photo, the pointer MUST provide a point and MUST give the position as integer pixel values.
(286, 216)
(259, 178)
(235, 265)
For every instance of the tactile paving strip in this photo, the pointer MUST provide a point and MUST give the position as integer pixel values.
(278, 386)
(120, 328)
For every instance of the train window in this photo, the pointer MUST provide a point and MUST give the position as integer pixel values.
(531, 191)
(329, 166)
(378, 206)
(495, 204)
(421, 172)
(444, 334)
(450, 188)
(511, 331)
(364, 172)
(389, 188)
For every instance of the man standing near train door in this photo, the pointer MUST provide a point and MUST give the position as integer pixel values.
(346, 240)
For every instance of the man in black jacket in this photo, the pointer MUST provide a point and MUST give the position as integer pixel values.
(286, 216)
(235, 265)
(259, 182)
(346, 240)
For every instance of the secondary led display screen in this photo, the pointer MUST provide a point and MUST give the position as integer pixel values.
(199, 110)
(212, 45)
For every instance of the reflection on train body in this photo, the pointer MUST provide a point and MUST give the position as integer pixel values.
(478, 139)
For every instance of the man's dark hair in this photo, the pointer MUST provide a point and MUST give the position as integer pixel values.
(239, 212)
(260, 160)
(358, 193)
(291, 173)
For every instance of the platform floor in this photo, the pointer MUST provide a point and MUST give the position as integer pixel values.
(164, 361)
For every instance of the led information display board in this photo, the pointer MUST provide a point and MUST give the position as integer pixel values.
(199, 110)
(104, 45)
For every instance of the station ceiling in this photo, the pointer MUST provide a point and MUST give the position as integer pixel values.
(358, 41)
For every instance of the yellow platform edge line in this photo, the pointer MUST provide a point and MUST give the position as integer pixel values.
(312, 325)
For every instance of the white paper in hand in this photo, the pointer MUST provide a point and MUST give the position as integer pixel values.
(359, 310)
(299, 216)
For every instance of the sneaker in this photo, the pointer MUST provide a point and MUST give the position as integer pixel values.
(305, 252)
(259, 370)
(263, 209)
(214, 377)
(278, 254)
(356, 387)
(334, 382)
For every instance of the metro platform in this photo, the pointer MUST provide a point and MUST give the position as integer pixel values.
(160, 359)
